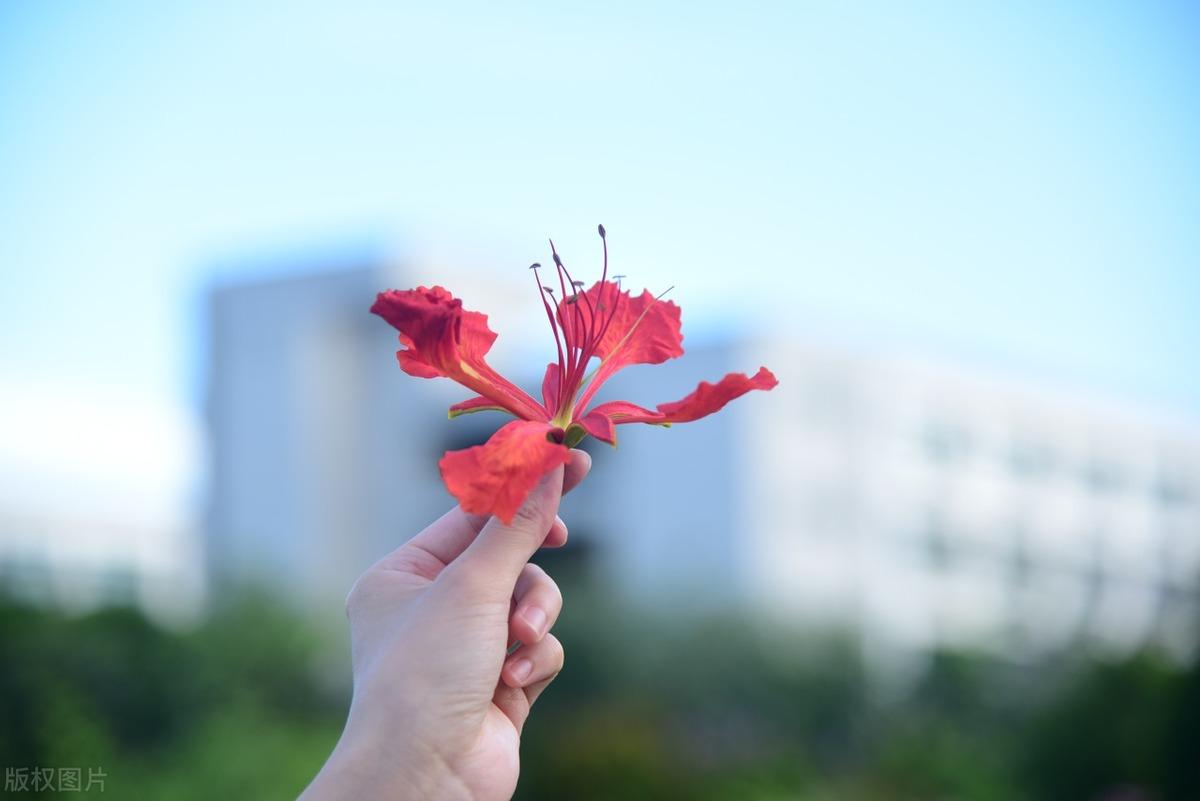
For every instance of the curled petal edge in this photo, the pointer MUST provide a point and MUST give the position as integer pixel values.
(496, 477)
(707, 399)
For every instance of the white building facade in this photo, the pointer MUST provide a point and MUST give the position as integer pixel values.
(923, 504)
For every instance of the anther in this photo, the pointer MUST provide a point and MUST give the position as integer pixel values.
(577, 284)
(534, 266)
(600, 228)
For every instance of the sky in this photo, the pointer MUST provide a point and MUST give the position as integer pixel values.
(1016, 184)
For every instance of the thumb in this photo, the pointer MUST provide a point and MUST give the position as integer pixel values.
(501, 550)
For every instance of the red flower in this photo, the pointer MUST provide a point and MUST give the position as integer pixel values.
(441, 338)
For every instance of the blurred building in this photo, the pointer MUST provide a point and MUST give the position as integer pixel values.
(920, 503)
(313, 474)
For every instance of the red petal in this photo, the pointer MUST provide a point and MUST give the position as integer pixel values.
(657, 336)
(707, 398)
(494, 478)
(441, 338)
(476, 404)
(412, 365)
(550, 386)
(643, 331)
(599, 426)
(626, 412)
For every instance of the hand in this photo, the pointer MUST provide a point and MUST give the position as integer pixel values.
(438, 705)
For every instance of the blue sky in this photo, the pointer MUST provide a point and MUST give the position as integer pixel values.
(1018, 184)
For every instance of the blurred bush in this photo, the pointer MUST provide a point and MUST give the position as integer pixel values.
(249, 704)
(234, 709)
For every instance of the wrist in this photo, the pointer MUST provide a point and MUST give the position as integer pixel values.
(367, 769)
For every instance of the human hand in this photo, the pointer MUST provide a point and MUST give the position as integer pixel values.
(438, 705)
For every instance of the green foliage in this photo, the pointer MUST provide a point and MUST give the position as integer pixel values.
(230, 710)
(1111, 726)
(248, 705)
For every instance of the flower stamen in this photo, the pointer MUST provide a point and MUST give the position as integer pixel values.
(549, 316)
(578, 352)
(580, 328)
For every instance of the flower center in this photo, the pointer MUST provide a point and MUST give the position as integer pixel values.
(579, 324)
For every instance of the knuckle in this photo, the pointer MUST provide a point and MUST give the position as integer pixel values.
(538, 578)
(365, 587)
(531, 516)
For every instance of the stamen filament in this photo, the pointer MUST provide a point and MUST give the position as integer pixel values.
(550, 316)
(577, 339)
(569, 366)
(603, 280)
(580, 360)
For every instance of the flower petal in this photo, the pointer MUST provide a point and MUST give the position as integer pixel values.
(643, 330)
(441, 338)
(707, 399)
(626, 412)
(477, 404)
(550, 386)
(494, 478)
(599, 426)
(659, 336)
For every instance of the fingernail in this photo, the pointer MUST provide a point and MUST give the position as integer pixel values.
(536, 619)
(521, 669)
